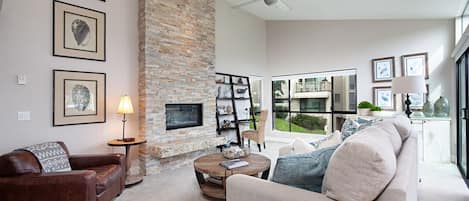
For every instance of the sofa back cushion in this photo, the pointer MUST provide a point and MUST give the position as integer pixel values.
(361, 167)
(18, 163)
(391, 133)
(402, 125)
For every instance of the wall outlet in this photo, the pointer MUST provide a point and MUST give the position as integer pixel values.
(24, 116)
(21, 79)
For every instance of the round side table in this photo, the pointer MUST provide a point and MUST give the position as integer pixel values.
(130, 180)
(210, 165)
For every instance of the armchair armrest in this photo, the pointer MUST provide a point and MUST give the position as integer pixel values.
(81, 162)
(70, 186)
(242, 188)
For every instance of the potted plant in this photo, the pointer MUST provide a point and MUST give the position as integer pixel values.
(364, 108)
(376, 111)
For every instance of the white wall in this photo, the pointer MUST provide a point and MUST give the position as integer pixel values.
(314, 46)
(26, 48)
(241, 45)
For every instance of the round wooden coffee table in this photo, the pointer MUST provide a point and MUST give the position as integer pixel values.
(210, 165)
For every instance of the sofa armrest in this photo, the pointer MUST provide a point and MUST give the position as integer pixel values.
(81, 162)
(71, 186)
(242, 188)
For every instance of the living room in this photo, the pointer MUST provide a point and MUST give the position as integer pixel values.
(292, 87)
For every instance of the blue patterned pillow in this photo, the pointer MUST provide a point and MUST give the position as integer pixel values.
(351, 126)
(304, 171)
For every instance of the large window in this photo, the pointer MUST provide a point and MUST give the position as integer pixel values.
(307, 103)
(256, 93)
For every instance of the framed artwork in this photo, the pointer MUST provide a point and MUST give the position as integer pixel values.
(79, 97)
(383, 69)
(417, 100)
(79, 32)
(415, 64)
(384, 98)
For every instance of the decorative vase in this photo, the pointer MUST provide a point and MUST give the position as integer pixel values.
(376, 113)
(441, 107)
(363, 111)
(428, 108)
(234, 152)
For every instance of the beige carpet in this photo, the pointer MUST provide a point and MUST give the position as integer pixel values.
(439, 182)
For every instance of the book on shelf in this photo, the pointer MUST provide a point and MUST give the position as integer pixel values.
(231, 164)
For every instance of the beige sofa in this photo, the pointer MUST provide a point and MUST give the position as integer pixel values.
(402, 186)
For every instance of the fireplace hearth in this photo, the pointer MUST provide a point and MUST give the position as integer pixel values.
(183, 116)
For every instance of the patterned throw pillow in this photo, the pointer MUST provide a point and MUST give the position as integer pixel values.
(351, 126)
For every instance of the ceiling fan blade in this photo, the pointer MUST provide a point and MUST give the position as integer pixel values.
(282, 6)
(244, 4)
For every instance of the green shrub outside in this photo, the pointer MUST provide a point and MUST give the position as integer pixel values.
(309, 122)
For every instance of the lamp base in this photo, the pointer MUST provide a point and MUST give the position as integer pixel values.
(127, 139)
(408, 111)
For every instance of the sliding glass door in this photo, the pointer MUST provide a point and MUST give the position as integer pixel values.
(463, 115)
(308, 103)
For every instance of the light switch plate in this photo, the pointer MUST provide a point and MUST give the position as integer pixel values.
(24, 116)
(22, 79)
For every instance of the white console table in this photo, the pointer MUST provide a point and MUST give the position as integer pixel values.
(434, 134)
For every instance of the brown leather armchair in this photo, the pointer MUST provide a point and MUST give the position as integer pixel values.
(93, 178)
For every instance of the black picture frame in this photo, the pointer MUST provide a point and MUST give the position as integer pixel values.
(58, 99)
(58, 33)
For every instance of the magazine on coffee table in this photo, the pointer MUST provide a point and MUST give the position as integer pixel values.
(231, 164)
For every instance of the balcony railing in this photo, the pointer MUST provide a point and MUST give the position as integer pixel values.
(311, 87)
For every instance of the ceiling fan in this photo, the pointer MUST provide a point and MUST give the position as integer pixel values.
(279, 4)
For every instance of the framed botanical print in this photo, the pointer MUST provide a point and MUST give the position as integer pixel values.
(415, 65)
(384, 98)
(383, 69)
(417, 100)
(79, 97)
(79, 32)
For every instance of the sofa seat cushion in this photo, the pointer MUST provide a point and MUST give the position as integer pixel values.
(105, 176)
(304, 171)
(361, 167)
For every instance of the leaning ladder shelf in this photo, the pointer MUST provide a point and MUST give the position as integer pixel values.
(231, 84)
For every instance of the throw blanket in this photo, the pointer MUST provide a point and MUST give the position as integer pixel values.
(51, 156)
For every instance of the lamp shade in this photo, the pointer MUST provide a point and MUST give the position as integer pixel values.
(125, 106)
(409, 84)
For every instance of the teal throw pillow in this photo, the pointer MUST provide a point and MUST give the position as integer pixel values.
(304, 171)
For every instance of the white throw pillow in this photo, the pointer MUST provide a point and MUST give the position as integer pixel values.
(402, 125)
(332, 140)
(360, 168)
(299, 146)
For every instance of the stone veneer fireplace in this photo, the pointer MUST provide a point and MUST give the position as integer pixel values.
(177, 54)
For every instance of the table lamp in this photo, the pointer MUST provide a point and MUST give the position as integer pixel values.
(407, 85)
(125, 107)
